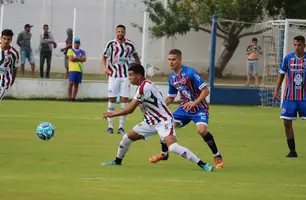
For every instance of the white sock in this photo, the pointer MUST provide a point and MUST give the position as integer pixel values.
(122, 118)
(124, 146)
(111, 108)
(184, 152)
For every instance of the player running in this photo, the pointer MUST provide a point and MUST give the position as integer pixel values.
(294, 99)
(119, 52)
(9, 59)
(193, 91)
(157, 118)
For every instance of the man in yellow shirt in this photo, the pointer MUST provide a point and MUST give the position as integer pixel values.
(76, 57)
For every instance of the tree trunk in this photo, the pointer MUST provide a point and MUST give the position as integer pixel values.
(228, 52)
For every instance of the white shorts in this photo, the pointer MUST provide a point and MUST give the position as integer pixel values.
(163, 129)
(118, 86)
(2, 92)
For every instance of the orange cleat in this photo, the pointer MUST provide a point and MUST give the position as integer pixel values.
(218, 162)
(159, 157)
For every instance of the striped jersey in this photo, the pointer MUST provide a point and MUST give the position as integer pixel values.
(152, 104)
(9, 60)
(119, 57)
(189, 84)
(295, 69)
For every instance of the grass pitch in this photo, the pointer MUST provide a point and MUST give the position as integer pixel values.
(68, 166)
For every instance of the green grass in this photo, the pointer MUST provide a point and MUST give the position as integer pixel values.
(68, 166)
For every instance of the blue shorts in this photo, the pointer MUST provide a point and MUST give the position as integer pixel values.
(27, 55)
(75, 77)
(290, 108)
(183, 117)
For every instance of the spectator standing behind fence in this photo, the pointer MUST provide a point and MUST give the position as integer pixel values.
(253, 51)
(24, 42)
(67, 47)
(46, 45)
(76, 57)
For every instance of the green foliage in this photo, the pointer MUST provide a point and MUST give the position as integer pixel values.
(11, 1)
(287, 8)
(180, 16)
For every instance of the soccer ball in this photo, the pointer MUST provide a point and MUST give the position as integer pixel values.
(45, 131)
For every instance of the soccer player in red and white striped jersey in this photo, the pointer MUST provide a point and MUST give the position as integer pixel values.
(118, 52)
(294, 101)
(157, 118)
(9, 59)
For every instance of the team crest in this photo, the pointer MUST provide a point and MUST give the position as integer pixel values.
(283, 111)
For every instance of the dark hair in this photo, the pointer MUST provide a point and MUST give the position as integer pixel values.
(137, 69)
(175, 52)
(120, 26)
(7, 32)
(45, 25)
(254, 39)
(299, 38)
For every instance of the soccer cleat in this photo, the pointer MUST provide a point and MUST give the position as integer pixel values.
(110, 131)
(208, 167)
(292, 154)
(159, 157)
(113, 162)
(121, 131)
(218, 162)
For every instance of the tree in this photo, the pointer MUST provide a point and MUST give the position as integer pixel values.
(182, 16)
(11, 1)
(287, 8)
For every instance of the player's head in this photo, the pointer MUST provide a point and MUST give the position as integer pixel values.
(175, 59)
(254, 41)
(6, 37)
(69, 32)
(27, 27)
(299, 44)
(120, 32)
(136, 74)
(77, 43)
(46, 28)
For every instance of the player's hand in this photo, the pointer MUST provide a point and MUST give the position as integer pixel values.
(188, 106)
(107, 72)
(275, 94)
(107, 114)
(62, 49)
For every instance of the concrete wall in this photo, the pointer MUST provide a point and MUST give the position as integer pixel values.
(57, 89)
(95, 24)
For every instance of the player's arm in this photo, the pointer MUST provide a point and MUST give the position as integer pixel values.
(280, 78)
(15, 66)
(19, 38)
(169, 100)
(136, 57)
(204, 93)
(83, 58)
(71, 57)
(258, 48)
(128, 110)
(107, 52)
(249, 51)
(172, 93)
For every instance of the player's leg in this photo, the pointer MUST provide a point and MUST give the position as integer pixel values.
(2, 92)
(31, 59)
(180, 120)
(289, 113)
(167, 133)
(124, 92)
(139, 132)
(48, 57)
(77, 81)
(42, 62)
(70, 84)
(249, 72)
(66, 64)
(113, 84)
(256, 72)
(22, 61)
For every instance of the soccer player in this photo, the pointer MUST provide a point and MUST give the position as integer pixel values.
(294, 99)
(118, 51)
(193, 91)
(253, 51)
(76, 57)
(9, 59)
(157, 118)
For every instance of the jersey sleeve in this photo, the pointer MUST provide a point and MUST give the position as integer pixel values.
(196, 79)
(133, 50)
(69, 52)
(108, 49)
(172, 91)
(142, 93)
(284, 68)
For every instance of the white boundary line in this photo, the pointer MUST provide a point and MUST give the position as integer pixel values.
(190, 181)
